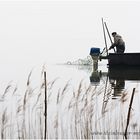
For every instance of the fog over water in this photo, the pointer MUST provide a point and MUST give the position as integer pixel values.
(34, 33)
(57, 31)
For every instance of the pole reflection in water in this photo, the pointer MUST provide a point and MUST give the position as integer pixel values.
(118, 86)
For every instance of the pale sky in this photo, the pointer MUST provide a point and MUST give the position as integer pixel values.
(58, 31)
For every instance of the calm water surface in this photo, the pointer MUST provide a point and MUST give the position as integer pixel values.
(82, 103)
(106, 106)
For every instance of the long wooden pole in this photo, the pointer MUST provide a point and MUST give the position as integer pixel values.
(104, 36)
(108, 34)
(45, 113)
(129, 111)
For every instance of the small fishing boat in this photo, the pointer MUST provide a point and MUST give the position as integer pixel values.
(116, 59)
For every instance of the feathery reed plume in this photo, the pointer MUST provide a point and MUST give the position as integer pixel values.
(7, 89)
(129, 111)
(19, 109)
(56, 126)
(50, 84)
(28, 80)
(24, 100)
(15, 90)
(79, 89)
(27, 92)
(71, 103)
(124, 97)
(63, 92)
(86, 92)
(50, 87)
(18, 130)
(4, 121)
(38, 97)
(58, 95)
(65, 88)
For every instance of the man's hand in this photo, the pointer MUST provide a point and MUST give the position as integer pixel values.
(110, 48)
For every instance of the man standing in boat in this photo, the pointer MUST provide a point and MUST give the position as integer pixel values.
(118, 43)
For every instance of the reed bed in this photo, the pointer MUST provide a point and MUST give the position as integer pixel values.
(52, 112)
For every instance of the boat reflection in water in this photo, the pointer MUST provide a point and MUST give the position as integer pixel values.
(116, 77)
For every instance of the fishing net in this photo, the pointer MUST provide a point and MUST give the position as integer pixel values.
(85, 61)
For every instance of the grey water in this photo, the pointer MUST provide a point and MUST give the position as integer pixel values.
(82, 103)
(112, 89)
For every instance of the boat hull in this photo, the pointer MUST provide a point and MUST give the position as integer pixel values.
(124, 72)
(129, 59)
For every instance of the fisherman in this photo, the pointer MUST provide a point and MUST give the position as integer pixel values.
(118, 43)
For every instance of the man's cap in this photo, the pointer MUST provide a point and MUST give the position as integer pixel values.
(114, 33)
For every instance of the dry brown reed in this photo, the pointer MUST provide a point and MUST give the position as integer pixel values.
(124, 97)
(62, 93)
(80, 120)
(3, 124)
(7, 89)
